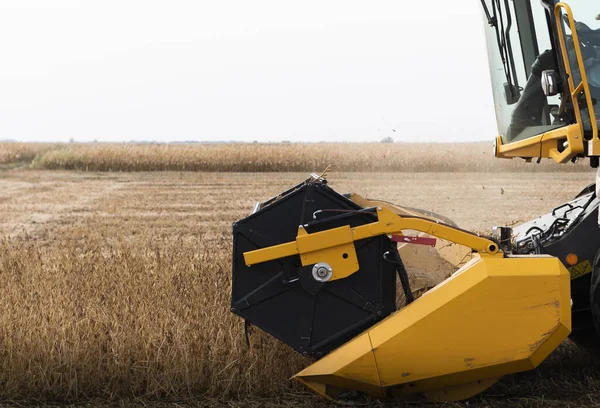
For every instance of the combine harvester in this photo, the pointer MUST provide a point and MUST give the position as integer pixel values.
(319, 270)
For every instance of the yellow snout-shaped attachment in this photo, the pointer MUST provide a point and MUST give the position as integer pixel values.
(495, 316)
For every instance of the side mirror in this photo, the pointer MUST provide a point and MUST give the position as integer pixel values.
(511, 94)
(550, 81)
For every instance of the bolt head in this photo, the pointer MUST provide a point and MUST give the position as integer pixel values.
(321, 272)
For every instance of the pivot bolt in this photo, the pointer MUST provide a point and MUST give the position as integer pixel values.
(322, 272)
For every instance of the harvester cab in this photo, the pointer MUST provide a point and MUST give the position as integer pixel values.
(545, 68)
(396, 301)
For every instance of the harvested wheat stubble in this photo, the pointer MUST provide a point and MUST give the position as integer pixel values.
(126, 293)
(280, 157)
(145, 319)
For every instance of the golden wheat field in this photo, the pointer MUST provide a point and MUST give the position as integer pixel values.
(270, 157)
(116, 285)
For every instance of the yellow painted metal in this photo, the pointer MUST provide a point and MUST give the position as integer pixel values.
(495, 316)
(545, 145)
(584, 85)
(390, 223)
(270, 253)
(312, 242)
(594, 147)
(336, 246)
(426, 266)
(364, 374)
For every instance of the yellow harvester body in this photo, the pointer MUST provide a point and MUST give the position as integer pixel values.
(496, 315)
(493, 317)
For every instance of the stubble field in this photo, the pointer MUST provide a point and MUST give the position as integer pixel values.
(116, 285)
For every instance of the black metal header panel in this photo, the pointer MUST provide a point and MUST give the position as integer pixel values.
(282, 298)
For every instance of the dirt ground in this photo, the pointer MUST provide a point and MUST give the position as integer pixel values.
(45, 206)
(39, 202)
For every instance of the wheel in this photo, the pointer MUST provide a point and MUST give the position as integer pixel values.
(595, 295)
(586, 338)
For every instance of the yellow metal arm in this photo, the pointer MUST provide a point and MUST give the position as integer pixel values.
(336, 246)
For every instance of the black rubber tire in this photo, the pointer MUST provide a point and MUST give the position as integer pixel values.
(587, 338)
(595, 295)
(590, 338)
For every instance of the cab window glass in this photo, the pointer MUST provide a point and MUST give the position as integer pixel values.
(519, 49)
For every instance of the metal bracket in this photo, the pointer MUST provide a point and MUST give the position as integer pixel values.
(336, 246)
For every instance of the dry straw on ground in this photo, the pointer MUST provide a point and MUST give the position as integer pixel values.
(280, 157)
(125, 293)
(117, 284)
(145, 319)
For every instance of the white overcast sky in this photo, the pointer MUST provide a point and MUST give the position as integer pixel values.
(337, 70)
